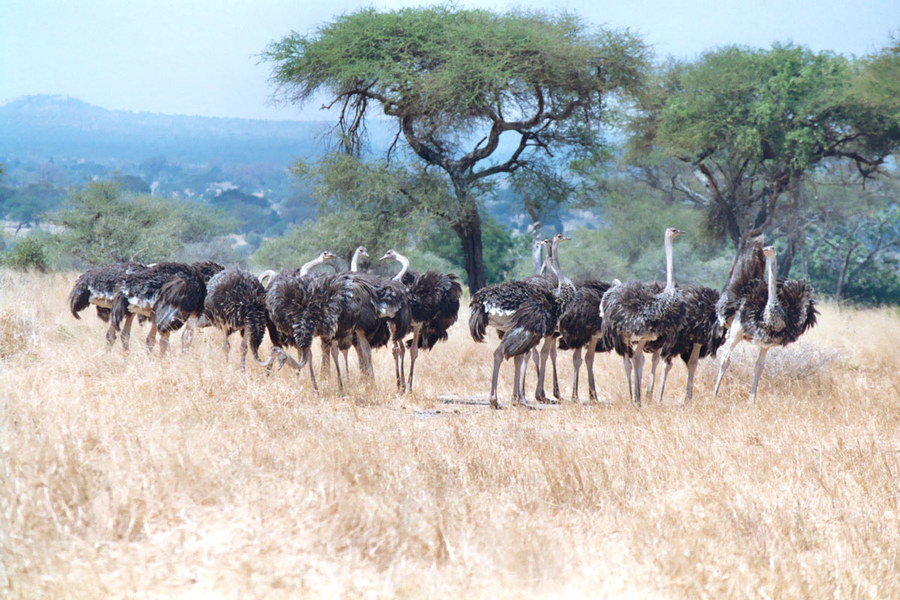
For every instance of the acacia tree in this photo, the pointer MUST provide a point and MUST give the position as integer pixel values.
(457, 80)
(751, 125)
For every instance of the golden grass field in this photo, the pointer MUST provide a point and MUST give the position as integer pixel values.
(131, 475)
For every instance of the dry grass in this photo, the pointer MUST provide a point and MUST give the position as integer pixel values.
(136, 476)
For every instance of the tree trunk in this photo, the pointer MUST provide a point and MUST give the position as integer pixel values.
(795, 242)
(468, 229)
(469, 232)
(842, 274)
(537, 254)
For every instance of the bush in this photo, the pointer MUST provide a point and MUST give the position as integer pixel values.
(29, 253)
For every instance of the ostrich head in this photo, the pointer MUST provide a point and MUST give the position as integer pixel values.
(769, 251)
(265, 278)
(673, 232)
(390, 254)
(362, 251)
(327, 255)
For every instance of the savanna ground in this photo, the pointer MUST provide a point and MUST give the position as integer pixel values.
(128, 475)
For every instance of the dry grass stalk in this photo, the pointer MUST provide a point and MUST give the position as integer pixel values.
(135, 476)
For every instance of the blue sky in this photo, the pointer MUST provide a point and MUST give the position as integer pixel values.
(200, 57)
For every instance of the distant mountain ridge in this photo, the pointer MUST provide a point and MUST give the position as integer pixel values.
(60, 127)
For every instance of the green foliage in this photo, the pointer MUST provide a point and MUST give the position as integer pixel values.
(754, 123)
(131, 184)
(252, 212)
(451, 63)
(629, 245)
(28, 253)
(27, 204)
(500, 250)
(455, 80)
(103, 225)
(853, 239)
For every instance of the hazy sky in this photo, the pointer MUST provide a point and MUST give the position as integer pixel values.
(200, 57)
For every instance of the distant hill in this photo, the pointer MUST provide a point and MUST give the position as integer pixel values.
(38, 128)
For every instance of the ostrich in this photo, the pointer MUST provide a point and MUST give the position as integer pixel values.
(180, 302)
(523, 312)
(329, 308)
(701, 335)
(771, 313)
(139, 290)
(236, 301)
(563, 296)
(749, 264)
(434, 307)
(544, 275)
(98, 286)
(580, 327)
(377, 330)
(287, 296)
(636, 313)
(390, 319)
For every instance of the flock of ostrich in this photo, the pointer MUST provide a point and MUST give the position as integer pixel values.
(533, 317)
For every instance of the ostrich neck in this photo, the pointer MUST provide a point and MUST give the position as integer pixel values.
(354, 262)
(772, 300)
(305, 268)
(404, 262)
(670, 268)
(554, 262)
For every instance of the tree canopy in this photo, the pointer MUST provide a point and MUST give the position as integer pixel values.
(456, 81)
(752, 124)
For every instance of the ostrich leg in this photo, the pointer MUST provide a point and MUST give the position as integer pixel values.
(517, 381)
(556, 393)
(364, 352)
(546, 350)
(627, 364)
(589, 365)
(498, 359)
(652, 375)
(398, 351)
(734, 337)
(413, 353)
(125, 334)
(757, 372)
(187, 336)
(576, 366)
(336, 355)
(521, 362)
(691, 367)
(662, 381)
(536, 357)
(163, 343)
(326, 358)
(638, 367)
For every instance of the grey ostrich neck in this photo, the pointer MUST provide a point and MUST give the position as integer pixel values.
(404, 262)
(670, 267)
(553, 257)
(314, 262)
(773, 312)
